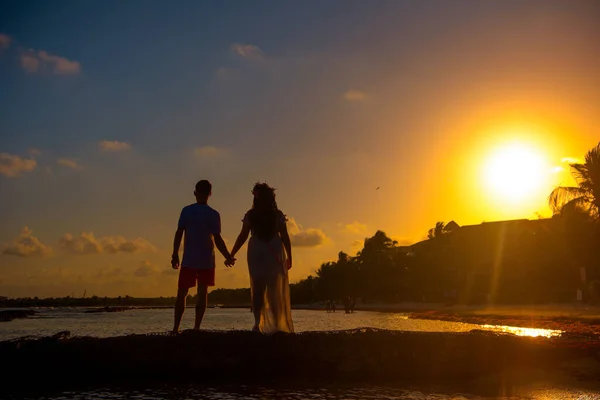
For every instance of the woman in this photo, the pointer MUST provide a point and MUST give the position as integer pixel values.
(267, 262)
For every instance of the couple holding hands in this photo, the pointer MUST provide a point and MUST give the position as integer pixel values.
(269, 257)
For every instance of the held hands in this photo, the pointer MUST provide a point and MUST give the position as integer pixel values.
(230, 262)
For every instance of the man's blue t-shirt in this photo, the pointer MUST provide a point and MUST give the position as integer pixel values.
(200, 222)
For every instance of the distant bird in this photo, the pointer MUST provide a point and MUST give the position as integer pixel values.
(377, 188)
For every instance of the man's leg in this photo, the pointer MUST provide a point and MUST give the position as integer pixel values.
(179, 307)
(201, 301)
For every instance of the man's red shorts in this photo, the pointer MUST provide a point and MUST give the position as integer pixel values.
(188, 277)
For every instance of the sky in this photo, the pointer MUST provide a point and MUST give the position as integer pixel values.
(365, 115)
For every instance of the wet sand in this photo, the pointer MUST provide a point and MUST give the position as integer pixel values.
(575, 319)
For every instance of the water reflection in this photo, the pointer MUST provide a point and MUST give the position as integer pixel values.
(531, 332)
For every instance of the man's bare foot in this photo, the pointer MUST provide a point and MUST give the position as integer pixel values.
(175, 332)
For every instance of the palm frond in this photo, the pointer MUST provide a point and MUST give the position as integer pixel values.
(592, 160)
(563, 195)
(581, 174)
(577, 206)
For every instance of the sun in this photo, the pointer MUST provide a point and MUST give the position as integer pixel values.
(515, 173)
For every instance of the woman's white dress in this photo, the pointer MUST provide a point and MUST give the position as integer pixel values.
(268, 268)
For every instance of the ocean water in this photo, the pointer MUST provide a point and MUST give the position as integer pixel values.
(49, 321)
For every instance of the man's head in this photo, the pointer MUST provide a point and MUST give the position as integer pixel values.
(203, 190)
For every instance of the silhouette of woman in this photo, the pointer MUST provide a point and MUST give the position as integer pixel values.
(267, 262)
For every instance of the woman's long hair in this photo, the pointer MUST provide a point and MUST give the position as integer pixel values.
(264, 212)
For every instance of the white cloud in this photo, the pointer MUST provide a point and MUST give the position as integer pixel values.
(355, 228)
(30, 62)
(209, 151)
(38, 61)
(66, 162)
(114, 145)
(248, 51)
(62, 65)
(145, 269)
(118, 244)
(5, 41)
(355, 95)
(311, 237)
(26, 245)
(12, 165)
(87, 243)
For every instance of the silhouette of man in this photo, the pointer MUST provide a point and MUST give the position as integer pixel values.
(202, 227)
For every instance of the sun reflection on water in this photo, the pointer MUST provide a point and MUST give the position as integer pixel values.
(519, 331)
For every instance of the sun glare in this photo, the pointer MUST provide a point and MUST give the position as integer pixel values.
(515, 173)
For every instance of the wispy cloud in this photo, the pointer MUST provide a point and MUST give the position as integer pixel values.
(5, 41)
(248, 51)
(355, 228)
(26, 245)
(209, 151)
(67, 162)
(87, 243)
(571, 160)
(113, 145)
(145, 269)
(34, 61)
(13, 166)
(355, 95)
(300, 237)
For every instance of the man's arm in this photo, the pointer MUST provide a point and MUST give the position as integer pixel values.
(220, 243)
(176, 245)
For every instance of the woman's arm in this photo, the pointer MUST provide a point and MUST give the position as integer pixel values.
(285, 238)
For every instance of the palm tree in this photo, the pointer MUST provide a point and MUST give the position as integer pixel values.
(586, 195)
(578, 206)
(438, 231)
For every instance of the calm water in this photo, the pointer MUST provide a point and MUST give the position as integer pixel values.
(51, 321)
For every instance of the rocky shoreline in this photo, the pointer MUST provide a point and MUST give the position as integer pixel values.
(359, 355)
(9, 315)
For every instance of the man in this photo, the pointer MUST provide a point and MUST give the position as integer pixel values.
(202, 227)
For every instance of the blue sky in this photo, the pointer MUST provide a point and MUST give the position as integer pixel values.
(128, 104)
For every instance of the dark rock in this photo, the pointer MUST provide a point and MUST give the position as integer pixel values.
(9, 315)
(235, 357)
